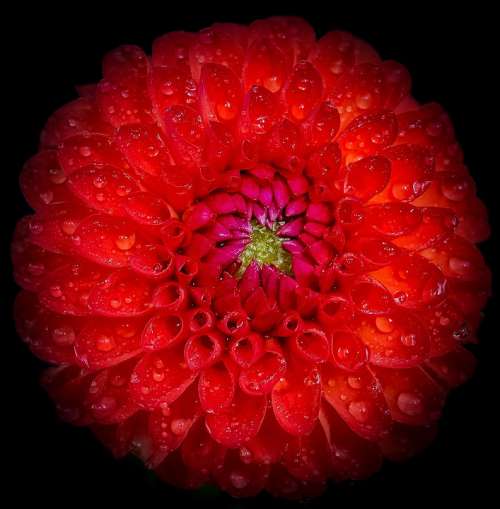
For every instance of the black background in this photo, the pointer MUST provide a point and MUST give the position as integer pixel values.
(451, 55)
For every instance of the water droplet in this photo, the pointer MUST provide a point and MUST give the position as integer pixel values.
(246, 455)
(462, 332)
(179, 426)
(152, 151)
(36, 269)
(105, 344)
(100, 181)
(57, 175)
(105, 405)
(410, 404)
(359, 410)
(167, 88)
(63, 335)
(36, 227)
(68, 226)
(238, 480)
(118, 381)
(165, 409)
(123, 190)
(384, 324)
(444, 321)
(115, 303)
(47, 197)
(459, 266)
(85, 151)
(354, 382)
(125, 242)
(56, 292)
(409, 339)
(401, 191)
(364, 101)
(400, 297)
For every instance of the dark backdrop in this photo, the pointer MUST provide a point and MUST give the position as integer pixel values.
(451, 56)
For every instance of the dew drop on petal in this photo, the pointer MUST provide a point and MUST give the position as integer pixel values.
(410, 404)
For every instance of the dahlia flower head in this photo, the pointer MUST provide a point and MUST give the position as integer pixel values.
(252, 259)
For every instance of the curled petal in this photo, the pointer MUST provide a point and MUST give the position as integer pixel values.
(202, 350)
(264, 373)
(170, 296)
(164, 330)
(311, 343)
(246, 349)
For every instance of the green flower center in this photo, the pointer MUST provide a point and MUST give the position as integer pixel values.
(265, 248)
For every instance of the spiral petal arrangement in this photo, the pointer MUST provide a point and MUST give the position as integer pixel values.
(252, 258)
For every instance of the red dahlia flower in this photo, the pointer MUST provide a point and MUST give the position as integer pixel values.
(252, 258)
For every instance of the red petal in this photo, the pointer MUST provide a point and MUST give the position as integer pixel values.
(308, 457)
(31, 263)
(48, 335)
(296, 400)
(169, 425)
(241, 479)
(412, 281)
(199, 451)
(67, 289)
(413, 397)
(265, 65)
(396, 340)
(102, 343)
(262, 375)
(88, 150)
(144, 148)
(220, 93)
(164, 330)
(80, 116)
(215, 45)
(107, 399)
(368, 134)
(172, 49)
(358, 399)
(216, 387)
(160, 377)
(269, 444)
(367, 177)
(105, 240)
(42, 181)
(303, 90)
(122, 293)
(185, 135)
(240, 422)
(455, 367)
(102, 188)
(352, 456)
